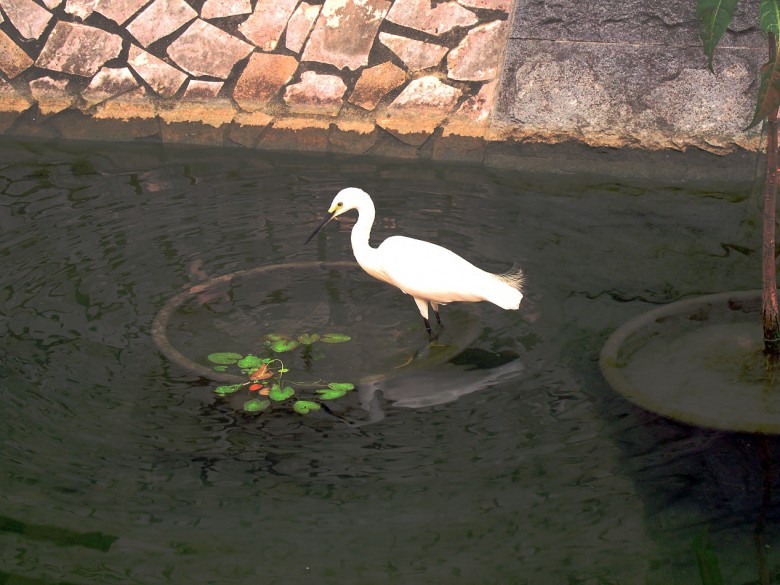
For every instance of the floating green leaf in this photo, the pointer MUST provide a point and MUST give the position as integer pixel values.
(305, 406)
(330, 393)
(282, 345)
(308, 338)
(256, 405)
(224, 358)
(346, 386)
(250, 361)
(713, 18)
(225, 390)
(219, 368)
(276, 337)
(335, 338)
(277, 393)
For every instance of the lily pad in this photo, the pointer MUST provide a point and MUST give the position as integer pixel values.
(308, 338)
(219, 368)
(335, 338)
(280, 394)
(224, 357)
(305, 406)
(256, 405)
(345, 386)
(282, 345)
(228, 389)
(276, 337)
(250, 361)
(331, 394)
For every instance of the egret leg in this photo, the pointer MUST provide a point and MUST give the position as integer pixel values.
(435, 307)
(422, 305)
(431, 335)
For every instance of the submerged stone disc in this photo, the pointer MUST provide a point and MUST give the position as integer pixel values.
(325, 303)
(699, 361)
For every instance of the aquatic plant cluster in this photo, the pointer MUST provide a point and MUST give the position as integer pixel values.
(264, 375)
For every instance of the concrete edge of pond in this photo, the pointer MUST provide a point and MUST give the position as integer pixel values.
(730, 172)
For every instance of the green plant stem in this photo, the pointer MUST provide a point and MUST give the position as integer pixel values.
(769, 278)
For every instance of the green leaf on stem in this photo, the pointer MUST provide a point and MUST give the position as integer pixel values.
(769, 17)
(709, 569)
(713, 17)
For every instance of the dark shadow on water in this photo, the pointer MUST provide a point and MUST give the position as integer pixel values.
(715, 490)
(471, 371)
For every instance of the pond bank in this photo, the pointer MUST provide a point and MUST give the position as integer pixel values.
(484, 81)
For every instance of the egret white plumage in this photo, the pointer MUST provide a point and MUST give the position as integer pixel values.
(428, 272)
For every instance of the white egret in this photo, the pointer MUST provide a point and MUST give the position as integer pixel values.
(427, 272)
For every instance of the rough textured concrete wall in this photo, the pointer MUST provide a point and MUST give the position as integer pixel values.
(628, 73)
(343, 75)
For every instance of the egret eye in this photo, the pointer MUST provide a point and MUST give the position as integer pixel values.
(339, 204)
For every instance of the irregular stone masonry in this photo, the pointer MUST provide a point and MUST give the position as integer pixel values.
(444, 79)
(344, 75)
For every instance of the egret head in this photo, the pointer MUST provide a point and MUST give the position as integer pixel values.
(345, 200)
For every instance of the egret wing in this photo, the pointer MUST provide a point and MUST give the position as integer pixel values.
(431, 272)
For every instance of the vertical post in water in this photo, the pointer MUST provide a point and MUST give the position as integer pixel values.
(769, 277)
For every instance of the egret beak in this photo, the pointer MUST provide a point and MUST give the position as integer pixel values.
(328, 216)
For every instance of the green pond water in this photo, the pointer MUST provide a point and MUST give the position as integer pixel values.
(499, 455)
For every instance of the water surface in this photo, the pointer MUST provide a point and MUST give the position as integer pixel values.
(121, 466)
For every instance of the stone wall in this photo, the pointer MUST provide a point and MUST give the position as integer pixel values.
(342, 75)
(478, 80)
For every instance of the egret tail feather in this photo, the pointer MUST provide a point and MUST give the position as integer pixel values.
(510, 290)
(514, 278)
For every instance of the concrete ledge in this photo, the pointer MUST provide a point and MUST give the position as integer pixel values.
(735, 171)
(627, 75)
(558, 91)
